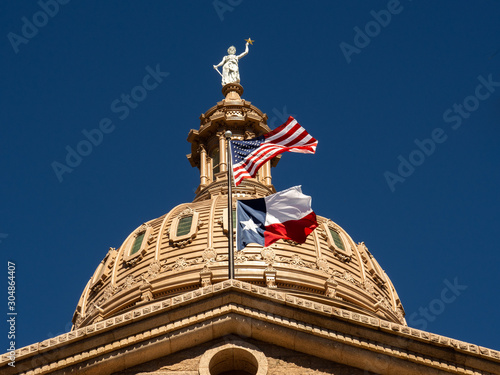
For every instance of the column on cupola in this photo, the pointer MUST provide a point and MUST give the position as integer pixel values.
(222, 151)
(266, 173)
(204, 178)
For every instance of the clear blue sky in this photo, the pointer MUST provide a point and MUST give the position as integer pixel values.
(430, 71)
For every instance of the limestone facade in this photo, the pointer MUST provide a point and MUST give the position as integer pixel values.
(240, 313)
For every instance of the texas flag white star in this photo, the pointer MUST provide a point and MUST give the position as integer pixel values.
(250, 225)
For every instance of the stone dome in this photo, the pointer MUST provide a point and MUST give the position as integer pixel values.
(187, 248)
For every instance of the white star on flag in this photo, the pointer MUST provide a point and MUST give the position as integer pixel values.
(250, 225)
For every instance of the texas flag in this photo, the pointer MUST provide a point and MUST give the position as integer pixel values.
(286, 214)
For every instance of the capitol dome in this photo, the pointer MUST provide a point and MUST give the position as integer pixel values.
(171, 300)
(187, 248)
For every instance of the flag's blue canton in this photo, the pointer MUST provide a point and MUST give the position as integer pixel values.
(241, 149)
(253, 210)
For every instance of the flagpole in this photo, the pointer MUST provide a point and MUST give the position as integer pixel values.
(228, 136)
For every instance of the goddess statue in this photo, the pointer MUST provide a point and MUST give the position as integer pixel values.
(230, 71)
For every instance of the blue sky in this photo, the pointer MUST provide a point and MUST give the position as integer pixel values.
(403, 97)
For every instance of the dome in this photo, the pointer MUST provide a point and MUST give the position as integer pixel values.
(187, 248)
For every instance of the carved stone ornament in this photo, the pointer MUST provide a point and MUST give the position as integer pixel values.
(180, 264)
(342, 257)
(239, 257)
(249, 134)
(370, 288)
(270, 277)
(297, 262)
(348, 277)
(371, 264)
(209, 255)
(146, 296)
(291, 242)
(151, 239)
(400, 313)
(153, 270)
(205, 277)
(146, 292)
(102, 272)
(182, 244)
(186, 212)
(79, 321)
(108, 292)
(331, 288)
(322, 264)
(222, 258)
(384, 304)
(128, 283)
(268, 255)
(221, 133)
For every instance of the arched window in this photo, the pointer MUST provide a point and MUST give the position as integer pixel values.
(233, 357)
(184, 225)
(137, 243)
(215, 155)
(337, 241)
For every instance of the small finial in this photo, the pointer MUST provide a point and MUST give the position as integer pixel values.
(228, 134)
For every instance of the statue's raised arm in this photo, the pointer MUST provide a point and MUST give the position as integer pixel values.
(244, 53)
(230, 70)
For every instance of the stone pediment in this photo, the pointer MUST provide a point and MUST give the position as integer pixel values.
(250, 312)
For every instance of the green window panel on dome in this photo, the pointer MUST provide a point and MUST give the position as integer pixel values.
(184, 225)
(336, 239)
(137, 243)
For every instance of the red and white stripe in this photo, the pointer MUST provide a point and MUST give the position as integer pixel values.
(288, 137)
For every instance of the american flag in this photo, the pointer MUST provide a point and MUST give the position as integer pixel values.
(248, 156)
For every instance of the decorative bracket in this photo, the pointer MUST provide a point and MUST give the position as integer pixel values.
(331, 288)
(205, 277)
(270, 277)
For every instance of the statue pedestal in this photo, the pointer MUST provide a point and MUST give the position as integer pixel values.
(232, 91)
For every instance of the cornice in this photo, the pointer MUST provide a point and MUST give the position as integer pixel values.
(264, 314)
